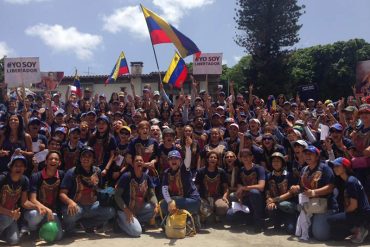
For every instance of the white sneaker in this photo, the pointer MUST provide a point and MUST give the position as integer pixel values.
(360, 236)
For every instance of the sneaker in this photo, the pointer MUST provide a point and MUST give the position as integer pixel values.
(25, 231)
(360, 236)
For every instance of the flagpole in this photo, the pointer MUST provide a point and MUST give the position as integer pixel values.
(155, 54)
(156, 61)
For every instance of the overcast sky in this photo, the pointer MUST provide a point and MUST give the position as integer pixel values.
(90, 34)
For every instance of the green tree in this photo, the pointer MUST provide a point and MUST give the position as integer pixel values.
(267, 29)
(332, 67)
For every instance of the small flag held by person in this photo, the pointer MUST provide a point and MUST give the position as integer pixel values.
(162, 32)
(177, 72)
(120, 68)
(77, 84)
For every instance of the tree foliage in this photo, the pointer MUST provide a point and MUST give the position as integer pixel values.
(267, 29)
(332, 67)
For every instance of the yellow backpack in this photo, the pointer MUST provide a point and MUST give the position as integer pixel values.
(179, 224)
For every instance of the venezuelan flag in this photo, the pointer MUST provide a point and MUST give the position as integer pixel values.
(162, 32)
(77, 84)
(120, 68)
(177, 72)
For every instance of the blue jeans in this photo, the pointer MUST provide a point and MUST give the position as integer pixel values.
(189, 204)
(89, 215)
(34, 219)
(9, 228)
(341, 223)
(254, 199)
(134, 228)
(320, 226)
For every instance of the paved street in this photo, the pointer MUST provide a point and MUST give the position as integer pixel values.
(212, 237)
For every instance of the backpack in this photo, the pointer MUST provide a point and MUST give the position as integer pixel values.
(179, 225)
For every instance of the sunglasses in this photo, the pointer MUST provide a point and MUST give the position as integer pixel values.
(267, 138)
(229, 157)
(124, 133)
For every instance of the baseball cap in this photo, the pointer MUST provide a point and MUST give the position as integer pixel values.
(87, 149)
(350, 109)
(340, 162)
(312, 149)
(91, 113)
(154, 121)
(234, 125)
(310, 100)
(174, 154)
(364, 108)
(229, 120)
(156, 93)
(248, 135)
(87, 89)
(74, 129)
(337, 126)
(58, 112)
(278, 154)
(299, 122)
(60, 129)
(222, 93)
(216, 115)
(220, 107)
(119, 113)
(255, 120)
(302, 143)
(202, 91)
(121, 94)
(34, 120)
(15, 158)
(103, 118)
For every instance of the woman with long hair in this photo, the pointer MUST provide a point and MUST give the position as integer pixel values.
(231, 166)
(195, 150)
(356, 205)
(212, 185)
(215, 144)
(14, 141)
(104, 145)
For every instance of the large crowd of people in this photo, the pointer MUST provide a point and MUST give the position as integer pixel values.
(299, 167)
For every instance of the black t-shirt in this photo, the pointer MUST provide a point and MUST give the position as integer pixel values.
(278, 185)
(355, 190)
(135, 190)
(82, 187)
(11, 192)
(319, 177)
(180, 183)
(147, 148)
(211, 184)
(47, 189)
(251, 176)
